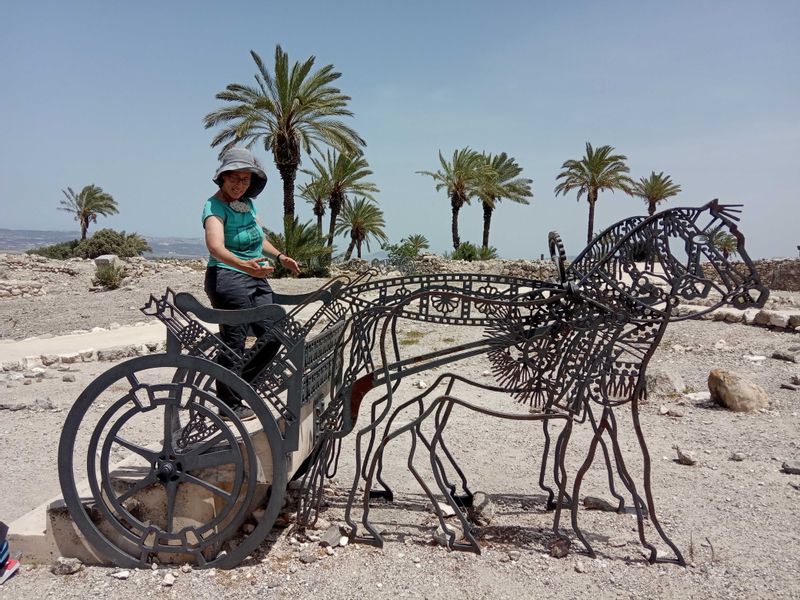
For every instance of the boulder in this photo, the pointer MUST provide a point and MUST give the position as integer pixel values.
(108, 260)
(661, 382)
(736, 393)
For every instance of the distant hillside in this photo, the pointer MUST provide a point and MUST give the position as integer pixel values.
(20, 240)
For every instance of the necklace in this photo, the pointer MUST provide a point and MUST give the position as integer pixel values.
(239, 206)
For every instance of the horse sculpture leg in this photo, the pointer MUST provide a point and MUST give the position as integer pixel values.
(648, 489)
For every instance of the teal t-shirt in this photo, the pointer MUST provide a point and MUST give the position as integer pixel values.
(243, 235)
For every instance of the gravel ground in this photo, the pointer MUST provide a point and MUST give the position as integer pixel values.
(735, 521)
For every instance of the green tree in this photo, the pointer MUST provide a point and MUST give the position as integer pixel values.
(501, 181)
(724, 242)
(597, 171)
(345, 175)
(416, 243)
(302, 242)
(361, 220)
(316, 192)
(294, 109)
(460, 178)
(87, 205)
(655, 189)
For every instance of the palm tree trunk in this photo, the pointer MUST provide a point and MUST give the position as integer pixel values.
(84, 227)
(288, 173)
(358, 247)
(592, 197)
(651, 207)
(487, 223)
(349, 252)
(336, 205)
(455, 203)
(319, 225)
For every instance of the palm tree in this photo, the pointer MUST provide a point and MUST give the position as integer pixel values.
(302, 242)
(416, 243)
(598, 170)
(292, 110)
(502, 181)
(362, 220)
(344, 174)
(460, 178)
(655, 189)
(90, 202)
(316, 193)
(724, 242)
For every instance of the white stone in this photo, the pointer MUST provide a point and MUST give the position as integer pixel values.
(777, 319)
(169, 580)
(31, 362)
(123, 575)
(698, 396)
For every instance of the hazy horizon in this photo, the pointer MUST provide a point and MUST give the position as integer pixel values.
(115, 95)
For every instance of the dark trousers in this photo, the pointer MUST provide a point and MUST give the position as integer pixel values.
(231, 290)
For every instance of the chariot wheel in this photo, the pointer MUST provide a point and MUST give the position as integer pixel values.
(168, 479)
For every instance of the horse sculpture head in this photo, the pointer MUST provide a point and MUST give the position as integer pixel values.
(652, 264)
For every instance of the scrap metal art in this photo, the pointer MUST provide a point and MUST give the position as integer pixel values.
(573, 349)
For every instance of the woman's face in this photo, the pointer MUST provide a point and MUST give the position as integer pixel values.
(235, 183)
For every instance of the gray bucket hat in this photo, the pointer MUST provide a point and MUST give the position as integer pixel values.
(239, 159)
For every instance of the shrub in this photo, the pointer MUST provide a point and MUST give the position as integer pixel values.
(466, 251)
(303, 243)
(60, 251)
(108, 241)
(109, 276)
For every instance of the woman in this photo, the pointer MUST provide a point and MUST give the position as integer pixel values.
(236, 271)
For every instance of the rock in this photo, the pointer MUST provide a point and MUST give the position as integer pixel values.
(674, 412)
(123, 575)
(444, 509)
(796, 379)
(580, 567)
(32, 362)
(66, 566)
(308, 558)
(790, 386)
(662, 410)
(762, 317)
(736, 393)
(108, 260)
(737, 456)
(331, 536)
(559, 548)
(49, 360)
(168, 581)
(698, 396)
(482, 510)
(755, 357)
(420, 384)
(343, 541)
(661, 382)
(792, 467)
(186, 568)
(593, 503)
(783, 355)
(685, 457)
(329, 551)
(514, 555)
(68, 377)
(441, 536)
(777, 319)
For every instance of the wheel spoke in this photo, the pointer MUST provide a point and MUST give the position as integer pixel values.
(149, 455)
(169, 424)
(208, 486)
(172, 490)
(143, 483)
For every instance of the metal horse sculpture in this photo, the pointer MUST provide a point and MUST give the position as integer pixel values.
(560, 348)
(565, 347)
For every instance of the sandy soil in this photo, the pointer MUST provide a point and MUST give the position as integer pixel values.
(735, 521)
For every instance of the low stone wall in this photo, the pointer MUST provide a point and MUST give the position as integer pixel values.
(16, 288)
(780, 273)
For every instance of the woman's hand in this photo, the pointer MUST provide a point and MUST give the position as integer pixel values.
(289, 263)
(256, 267)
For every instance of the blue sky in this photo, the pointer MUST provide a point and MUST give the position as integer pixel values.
(114, 94)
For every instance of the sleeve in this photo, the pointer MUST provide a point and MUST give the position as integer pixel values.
(214, 208)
